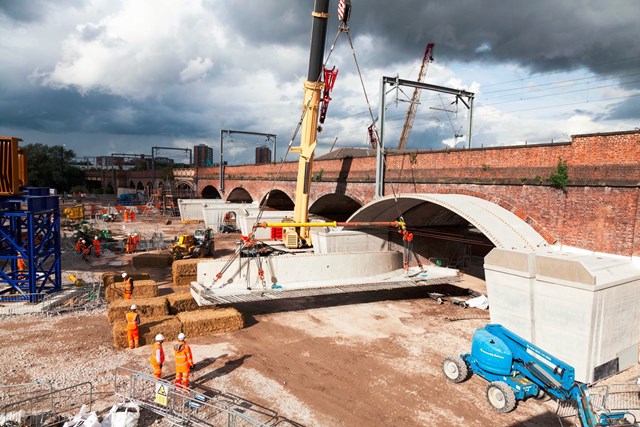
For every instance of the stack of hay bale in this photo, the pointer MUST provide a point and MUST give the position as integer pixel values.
(168, 315)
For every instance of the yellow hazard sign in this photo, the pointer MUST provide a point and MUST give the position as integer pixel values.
(161, 394)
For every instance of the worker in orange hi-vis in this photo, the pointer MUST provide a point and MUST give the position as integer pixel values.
(126, 215)
(157, 356)
(85, 250)
(133, 321)
(184, 362)
(128, 244)
(128, 286)
(96, 246)
(132, 215)
(135, 239)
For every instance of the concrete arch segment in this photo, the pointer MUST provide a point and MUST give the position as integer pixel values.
(503, 228)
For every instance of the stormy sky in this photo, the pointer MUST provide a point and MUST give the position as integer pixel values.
(123, 76)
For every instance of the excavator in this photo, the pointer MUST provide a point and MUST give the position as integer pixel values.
(517, 370)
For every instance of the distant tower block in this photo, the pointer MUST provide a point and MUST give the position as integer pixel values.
(263, 155)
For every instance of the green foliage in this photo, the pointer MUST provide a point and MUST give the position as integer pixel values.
(413, 158)
(317, 176)
(560, 177)
(50, 166)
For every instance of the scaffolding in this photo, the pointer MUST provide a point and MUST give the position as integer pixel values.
(30, 263)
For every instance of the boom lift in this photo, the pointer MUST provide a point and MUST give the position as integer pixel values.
(516, 370)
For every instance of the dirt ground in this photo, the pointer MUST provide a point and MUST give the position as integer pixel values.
(369, 359)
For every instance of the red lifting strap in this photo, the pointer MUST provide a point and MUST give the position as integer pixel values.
(329, 81)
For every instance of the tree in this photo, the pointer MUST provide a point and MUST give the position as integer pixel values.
(50, 166)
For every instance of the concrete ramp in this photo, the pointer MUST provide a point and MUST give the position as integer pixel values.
(582, 308)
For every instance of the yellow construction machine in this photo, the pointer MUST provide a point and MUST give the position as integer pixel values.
(75, 212)
(197, 245)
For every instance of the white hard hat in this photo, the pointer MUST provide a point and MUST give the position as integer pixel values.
(159, 337)
(181, 336)
(124, 275)
(134, 307)
(84, 241)
(96, 238)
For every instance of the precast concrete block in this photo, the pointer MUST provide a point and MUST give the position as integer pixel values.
(586, 311)
(510, 277)
(349, 241)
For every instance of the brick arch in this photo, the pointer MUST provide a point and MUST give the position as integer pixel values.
(506, 205)
(239, 195)
(335, 207)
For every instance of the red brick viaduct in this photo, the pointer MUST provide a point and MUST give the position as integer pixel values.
(597, 210)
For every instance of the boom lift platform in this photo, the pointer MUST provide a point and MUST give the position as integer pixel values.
(517, 370)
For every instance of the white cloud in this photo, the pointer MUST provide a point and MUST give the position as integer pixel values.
(196, 69)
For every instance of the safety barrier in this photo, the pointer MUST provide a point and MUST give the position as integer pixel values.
(190, 407)
(18, 303)
(16, 392)
(47, 409)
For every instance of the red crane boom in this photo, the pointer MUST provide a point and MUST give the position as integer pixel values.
(415, 99)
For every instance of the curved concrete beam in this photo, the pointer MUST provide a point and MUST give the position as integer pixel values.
(503, 228)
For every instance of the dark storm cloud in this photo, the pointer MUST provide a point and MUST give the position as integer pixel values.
(539, 35)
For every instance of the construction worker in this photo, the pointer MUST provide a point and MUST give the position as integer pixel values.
(132, 215)
(128, 244)
(128, 286)
(96, 246)
(85, 250)
(126, 215)
(135, 239)
(133, 321)
(157, 356)
(184, 362)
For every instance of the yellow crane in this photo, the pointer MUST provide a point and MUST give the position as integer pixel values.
(415, 99)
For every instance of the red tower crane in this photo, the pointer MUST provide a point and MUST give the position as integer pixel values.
(415, 99)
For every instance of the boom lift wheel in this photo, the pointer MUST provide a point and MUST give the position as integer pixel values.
(501, 397)
(455, 369)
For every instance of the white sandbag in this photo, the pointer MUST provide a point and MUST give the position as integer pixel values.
(122, 415)
(481, 302)
(84, 419)
(12, 417)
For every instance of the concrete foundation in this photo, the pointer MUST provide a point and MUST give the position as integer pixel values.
(332, 241)
(580, 308)
(213, 213)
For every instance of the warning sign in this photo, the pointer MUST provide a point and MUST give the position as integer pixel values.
(161, 394)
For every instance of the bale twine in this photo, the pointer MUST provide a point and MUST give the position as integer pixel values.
(181, 301)
(141, 289)
(184, 271)
(147, 308)
(161, 260)
(210, 321)
(169, 326)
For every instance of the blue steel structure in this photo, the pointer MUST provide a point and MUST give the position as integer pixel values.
(29, 229)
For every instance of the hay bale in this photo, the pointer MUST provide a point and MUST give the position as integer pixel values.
(180, 302)
(184, 271)
(210, 321)
(160, 260)
(169, 326)
(147, 308)
(141, 289)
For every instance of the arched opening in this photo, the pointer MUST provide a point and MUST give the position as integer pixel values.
(456, 230)
(140, 186)
(184, 191)
(278, 201)
(132, 185)
(210, 192)
(335, 207)
(239, 195)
